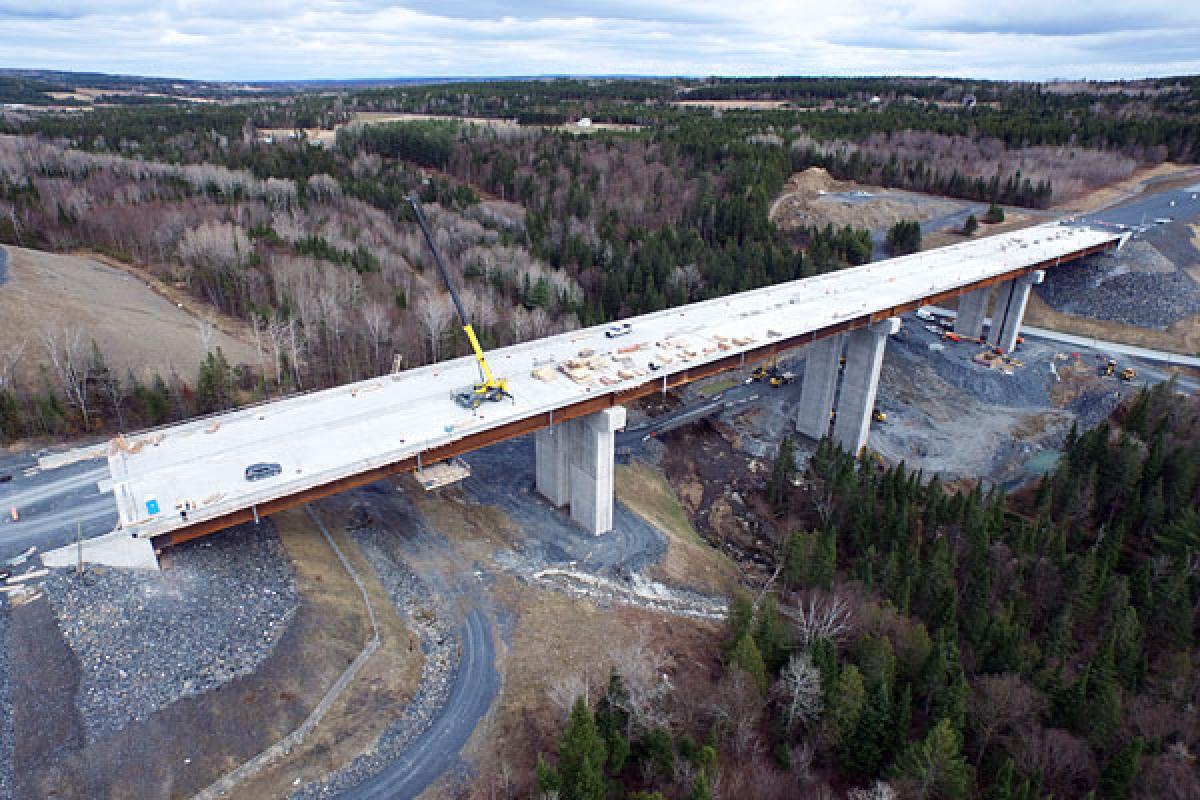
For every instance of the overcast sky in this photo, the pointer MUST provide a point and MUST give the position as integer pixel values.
(312, 39)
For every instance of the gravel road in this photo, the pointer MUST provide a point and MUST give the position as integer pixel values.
(436, 750)
(441, 600)
(146, 639)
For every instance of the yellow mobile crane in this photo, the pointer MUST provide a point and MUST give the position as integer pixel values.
(489, 387)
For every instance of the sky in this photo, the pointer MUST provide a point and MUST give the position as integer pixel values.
(345, 39)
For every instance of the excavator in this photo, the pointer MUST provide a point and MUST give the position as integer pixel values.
(489, 387)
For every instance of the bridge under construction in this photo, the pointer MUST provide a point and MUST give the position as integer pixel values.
(183, 481)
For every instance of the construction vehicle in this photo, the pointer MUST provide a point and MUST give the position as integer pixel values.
(1128, 374)
(772, 374)
(489, 387)
(1110, 368)
(878, 415)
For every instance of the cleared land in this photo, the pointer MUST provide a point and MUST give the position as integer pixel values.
(1132, 186)
(747, 105)
(135, 327)
(813, 197)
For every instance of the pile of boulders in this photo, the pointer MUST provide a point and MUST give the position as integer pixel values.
(146, 639)
(1131, 288)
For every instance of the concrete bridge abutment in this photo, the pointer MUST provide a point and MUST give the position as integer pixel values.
(574, 466)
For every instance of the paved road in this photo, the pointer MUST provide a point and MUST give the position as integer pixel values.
(50, 503)
(1144, 353)
(1177, 205)
(437, 749)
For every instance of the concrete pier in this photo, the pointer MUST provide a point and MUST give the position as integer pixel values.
(575, 466)
(1009, 312)
(972, 308)
(552, 447)
(864, 360)
(821, 369)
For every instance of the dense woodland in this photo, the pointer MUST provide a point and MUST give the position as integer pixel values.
(926, 643)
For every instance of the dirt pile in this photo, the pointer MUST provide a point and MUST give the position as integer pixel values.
(813, 197)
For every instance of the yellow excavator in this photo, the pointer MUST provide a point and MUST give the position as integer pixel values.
(489, 386)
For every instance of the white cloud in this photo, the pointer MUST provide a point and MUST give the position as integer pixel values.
(282, 39)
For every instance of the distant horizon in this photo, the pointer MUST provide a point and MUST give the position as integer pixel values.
(467, 78)
(293, 40)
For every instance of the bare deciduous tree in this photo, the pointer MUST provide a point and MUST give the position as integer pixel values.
(68, 360)
(738, 705)
(821, 615)
(1002, 704)
(877, 791)
(435, 314)
(798, 691)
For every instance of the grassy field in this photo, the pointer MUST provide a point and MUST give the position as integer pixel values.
(135, 326)
(690, 562)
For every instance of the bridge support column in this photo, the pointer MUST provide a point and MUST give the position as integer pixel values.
(575, 467)
(972, 308)
(864, 360)
(552, 447)
(821, 369)
(1010, 310)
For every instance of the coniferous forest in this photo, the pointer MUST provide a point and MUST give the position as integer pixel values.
(947, 644)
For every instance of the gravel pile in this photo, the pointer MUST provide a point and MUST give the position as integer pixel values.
(146, 639)
(1129, 288)
(6, 712)
(439, 643)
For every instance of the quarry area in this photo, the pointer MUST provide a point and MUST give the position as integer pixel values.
(390, 641)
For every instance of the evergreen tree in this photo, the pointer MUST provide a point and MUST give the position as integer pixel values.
(612, 721)
(845, 701)
(935, 768)
(770, 636)
(871, 743)
(1119, 773)
(581, 756)
(745, 656)
(782, 471)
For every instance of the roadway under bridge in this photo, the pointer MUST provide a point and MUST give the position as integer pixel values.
(184, 481)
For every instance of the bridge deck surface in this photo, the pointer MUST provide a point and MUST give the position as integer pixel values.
(324, 436)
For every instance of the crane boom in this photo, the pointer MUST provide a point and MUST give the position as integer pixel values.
(489, 388)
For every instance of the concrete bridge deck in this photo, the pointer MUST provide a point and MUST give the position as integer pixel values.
(188, 480)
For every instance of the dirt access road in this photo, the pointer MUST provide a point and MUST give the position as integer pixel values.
(135, 327)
